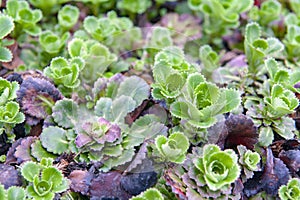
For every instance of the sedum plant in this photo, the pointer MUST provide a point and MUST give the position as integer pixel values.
(279, 100)
(25, 18)
(8, 91)
(248, 160)
(68, 16)
(151, 193)
(291, 191)
(202, 101)
(97, 58)
(269, 11)
(257, 48)
(65, 73)
(220, 16)
(44, 179)
(291, 41)
(53, 43)
(132, 6)
(12, 193)
(217, 168)
(169, 71)
(173, 148)
(8, 27)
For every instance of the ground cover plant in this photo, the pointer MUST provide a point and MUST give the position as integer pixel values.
(149, 99)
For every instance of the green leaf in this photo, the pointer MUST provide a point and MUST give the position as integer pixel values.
(29, 170)
(54, 139)
(77, 47)
(121, 106)
(68, 16)
(65, 113)
(266, 136)
(134, 87)
(149, 194)
(144, 128)
(3, 194)
(39, 152)
(52, 175)
(7, 25)
(252, 32)
(14, 193)
(61, 187)
(5, 54)
(103, 108)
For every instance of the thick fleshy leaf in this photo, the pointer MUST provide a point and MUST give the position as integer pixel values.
(65, 113)
(7, 25)
(29, 170)
(54, 139)
(15, 193)
(5, 54)
(134, 87)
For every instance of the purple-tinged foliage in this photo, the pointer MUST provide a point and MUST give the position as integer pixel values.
(97, 132)
(36, 96)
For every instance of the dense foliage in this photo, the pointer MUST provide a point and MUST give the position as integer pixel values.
(149, 99)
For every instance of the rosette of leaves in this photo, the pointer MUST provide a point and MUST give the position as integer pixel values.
(132, 6)
(65, 73)
(7, 91)
(53, 43)
(122, 99)
(217, 169)
(188, 30)
(105, 28)
(280, 102)
(159, 38)
(257, 48)
(97, 58)
(68, 16)
(47, 7)
(292, 41)
(12, 193)
(8, 26)
(99, 138)
(10, 114)
(25, 18)
(44, 180)
(149, 194)
(202, 101)
(170, 71)
(220, 16)
(36, 97)
(291, 191)
(210, 60)
(173, 148)
(249, 161)
(267, 12)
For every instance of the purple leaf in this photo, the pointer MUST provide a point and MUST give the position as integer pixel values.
(9, 176)
(292, 159)
(80, 181)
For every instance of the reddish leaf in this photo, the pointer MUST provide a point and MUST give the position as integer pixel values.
(33, 94)
(107, 185)
(292, 159)
(80, 181)
(241, 130)
(23, 151)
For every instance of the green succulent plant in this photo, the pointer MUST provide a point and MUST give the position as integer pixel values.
(134, 6)
(218, 168)
(174, 147)
(44, 179)
(7, 91)
(26, 19)
(12, 193)
(53, 43)
(10, 114)
(68, 16)
(65, 73)
(203, 101)
(8, 26)
(291, 191)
